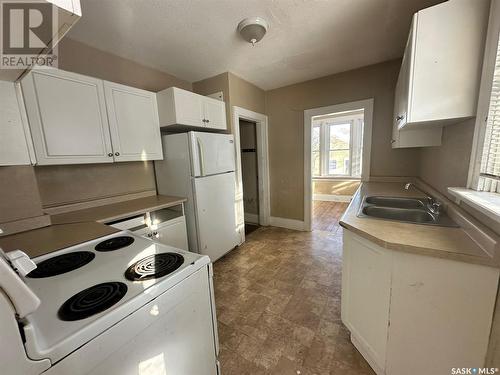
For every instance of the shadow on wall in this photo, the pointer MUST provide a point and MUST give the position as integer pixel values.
(335, 187)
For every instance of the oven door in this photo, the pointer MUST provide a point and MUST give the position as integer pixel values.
(172, 334)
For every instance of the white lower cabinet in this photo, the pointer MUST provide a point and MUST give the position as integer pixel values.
(366, 289)
(412, 314)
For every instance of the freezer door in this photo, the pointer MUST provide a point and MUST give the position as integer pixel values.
(215, 214)
(211, 153)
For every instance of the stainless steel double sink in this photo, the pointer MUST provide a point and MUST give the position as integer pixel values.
(407, 210)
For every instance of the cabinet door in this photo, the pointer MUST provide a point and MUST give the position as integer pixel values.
(440, 314)
(67, 117)
(366, 286)
(134, 124)
(173, 233)
(215, 113)
(13, 140)
(189, 108)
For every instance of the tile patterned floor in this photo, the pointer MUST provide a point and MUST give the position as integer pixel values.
(278, 306)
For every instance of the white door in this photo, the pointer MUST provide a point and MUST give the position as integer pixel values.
(215, 214)
(215, 114)
(67, 117)
(13, 141)
(134, 124)
(211, 153)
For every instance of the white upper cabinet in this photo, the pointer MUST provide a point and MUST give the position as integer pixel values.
(439, 77)
(15, 139)
(67, 117)
(179, 108)
(134, 124)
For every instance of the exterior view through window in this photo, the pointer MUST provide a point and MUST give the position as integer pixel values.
(337, 144)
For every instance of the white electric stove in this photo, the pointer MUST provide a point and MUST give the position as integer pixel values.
(121, 304)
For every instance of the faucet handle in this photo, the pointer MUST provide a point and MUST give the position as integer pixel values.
(435, 207)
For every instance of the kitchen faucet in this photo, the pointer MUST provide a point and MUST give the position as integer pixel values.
(432, 204)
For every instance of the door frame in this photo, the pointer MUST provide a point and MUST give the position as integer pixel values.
(367, 106)
(262, 160)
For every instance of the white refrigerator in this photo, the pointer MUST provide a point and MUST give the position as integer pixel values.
(201, 167)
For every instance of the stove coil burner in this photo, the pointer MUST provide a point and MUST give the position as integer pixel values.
(154, 266)
(61, 264)
(114, 243)
(92, 301)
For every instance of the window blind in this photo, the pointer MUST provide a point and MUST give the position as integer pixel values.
(489, 178)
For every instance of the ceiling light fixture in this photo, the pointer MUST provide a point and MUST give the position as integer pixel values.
(253, 29)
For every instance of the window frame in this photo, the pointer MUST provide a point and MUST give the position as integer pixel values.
(324, 147)
(486, 85)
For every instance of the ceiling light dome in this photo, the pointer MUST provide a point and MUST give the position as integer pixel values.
(253, 29)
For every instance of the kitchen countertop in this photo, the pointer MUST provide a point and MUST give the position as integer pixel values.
(436, 241)
(117, 211)
(54, 237)
(71, 228)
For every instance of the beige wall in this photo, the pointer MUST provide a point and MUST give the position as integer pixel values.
(336, 187)
(285, 109)
(246, 95)
(19, 198)
(237, 92)
(67, 184)
(448, 164)
(81, 58)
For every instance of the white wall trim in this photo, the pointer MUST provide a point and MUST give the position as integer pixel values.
(286, 223)
(332, 198)
(262, 160)
(483, 102)
(367, 106)
(251, 218)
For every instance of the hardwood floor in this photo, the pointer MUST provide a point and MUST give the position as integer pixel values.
(326, 215)
(278, 306)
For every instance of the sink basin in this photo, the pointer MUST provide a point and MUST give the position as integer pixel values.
(400, 214)
(406, 210)
(396, 202)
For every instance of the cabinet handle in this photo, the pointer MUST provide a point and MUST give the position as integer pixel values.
(393, 141)
(208, 120)
(399, 118)
(204, 120)
(110, 154)
(117, 154)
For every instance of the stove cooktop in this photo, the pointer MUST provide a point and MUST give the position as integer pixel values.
(61, 264)
(114, 243)
(92, 301)
(154, 266)
(80, 303)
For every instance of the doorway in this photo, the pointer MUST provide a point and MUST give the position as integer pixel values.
(252, 169)
(249, 174)
(337, 144)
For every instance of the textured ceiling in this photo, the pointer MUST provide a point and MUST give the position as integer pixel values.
(197, 39)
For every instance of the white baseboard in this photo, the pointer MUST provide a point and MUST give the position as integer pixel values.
(251, 218)
(286, 223)
(332, 198)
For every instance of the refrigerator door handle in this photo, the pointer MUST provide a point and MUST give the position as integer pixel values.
(201, 156)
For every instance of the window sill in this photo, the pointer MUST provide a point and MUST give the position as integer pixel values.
(335, 178)
(486, 203)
